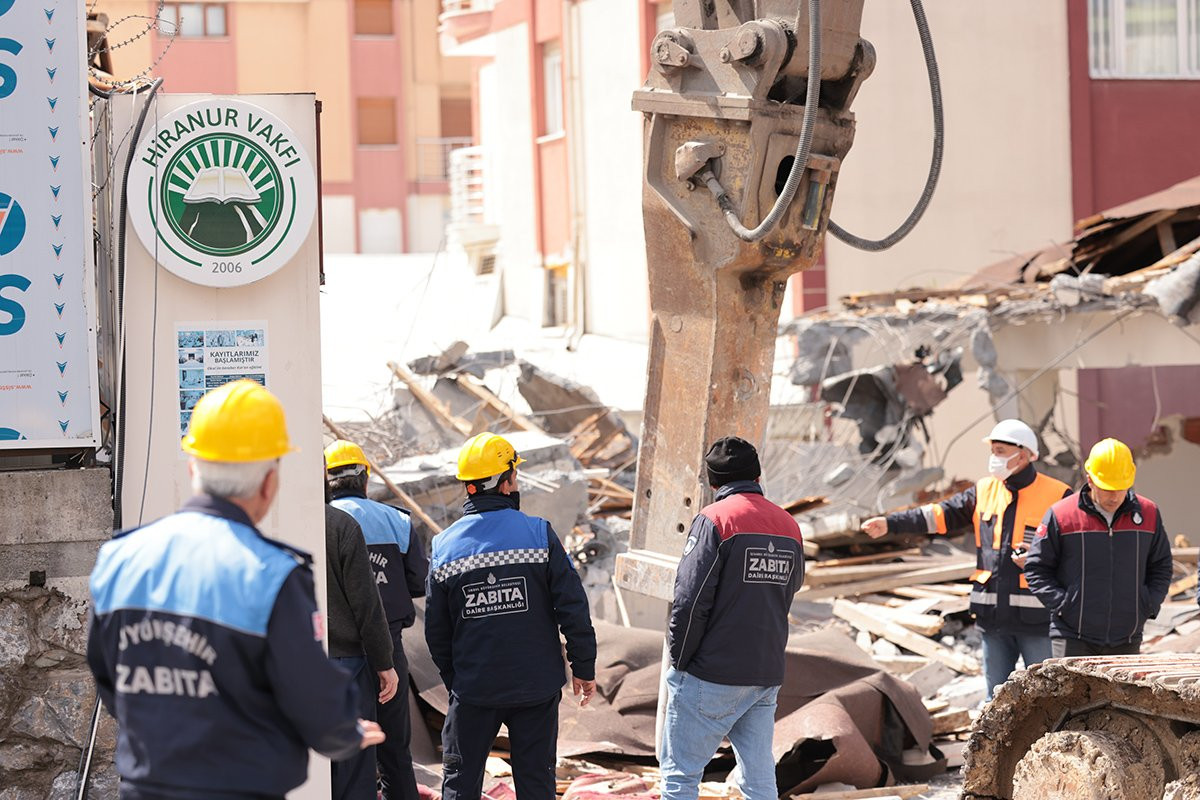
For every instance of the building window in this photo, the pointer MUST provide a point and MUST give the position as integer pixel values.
(193, 19)
(1144, 39)
(377, 120)
(552, 90)
(373, 17)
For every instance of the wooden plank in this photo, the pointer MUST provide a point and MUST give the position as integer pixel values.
(825, 576)
(865, 619)
(951, 721)
(870, 558)
(947, 572)
(1166, 238)
(924, 624)
(903, 792)
(489, 398)
(427, 399)
(1186, 555)
(1183, 584)
(403, 496)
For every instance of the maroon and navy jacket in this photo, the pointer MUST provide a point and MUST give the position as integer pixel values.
(741, 567)
(1100, 580)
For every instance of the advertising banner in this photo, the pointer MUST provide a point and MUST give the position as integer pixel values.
(47, 337)
(210, 354)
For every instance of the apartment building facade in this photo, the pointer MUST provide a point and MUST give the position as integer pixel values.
(392, 106)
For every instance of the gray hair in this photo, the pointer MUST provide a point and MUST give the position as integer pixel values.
(227, 479)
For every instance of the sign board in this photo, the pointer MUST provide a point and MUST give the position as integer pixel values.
(259, 325)
(47, 335)
(214, 353)
(222, 192)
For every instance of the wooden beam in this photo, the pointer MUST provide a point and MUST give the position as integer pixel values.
(1166, 238)
(948, 572)
(1183, 584)
(489, 398)
(826, 576)
(903, 792)
(401, 495)
(870, 558)
(951, 721)
(865, 619)
(430, 401)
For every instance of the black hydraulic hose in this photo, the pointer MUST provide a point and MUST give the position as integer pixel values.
(935, 164)
(85, 758)
(812, 100)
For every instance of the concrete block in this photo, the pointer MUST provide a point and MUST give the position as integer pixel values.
(431, 481)
(56, 506)
(56, 559)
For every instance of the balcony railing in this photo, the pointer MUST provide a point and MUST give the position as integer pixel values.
(466, 6)
(467, 175)
(433, 157)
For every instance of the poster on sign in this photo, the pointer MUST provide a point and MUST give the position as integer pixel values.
(47, 335)
(210, 354)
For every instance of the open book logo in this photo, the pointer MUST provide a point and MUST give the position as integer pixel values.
(226, 189)
(222, 194)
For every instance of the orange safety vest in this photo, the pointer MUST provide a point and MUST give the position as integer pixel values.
(992, 499)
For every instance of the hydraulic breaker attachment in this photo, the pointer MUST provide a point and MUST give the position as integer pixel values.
(724, 113)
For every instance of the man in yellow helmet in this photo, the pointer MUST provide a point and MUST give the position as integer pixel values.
(400, 566)
(501, 587)
(205, 640)
(1101, 560)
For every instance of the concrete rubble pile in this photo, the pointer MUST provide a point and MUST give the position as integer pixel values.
(896, 609)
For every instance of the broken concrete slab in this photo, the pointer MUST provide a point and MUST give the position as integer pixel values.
(552, 483)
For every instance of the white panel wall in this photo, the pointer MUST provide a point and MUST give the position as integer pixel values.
(618, 302)
(337, 217)
(506, 123)
(1006, 179)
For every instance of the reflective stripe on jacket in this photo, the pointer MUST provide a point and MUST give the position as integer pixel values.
(1000, 597)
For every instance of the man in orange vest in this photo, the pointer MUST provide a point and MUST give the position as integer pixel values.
(1004, 508)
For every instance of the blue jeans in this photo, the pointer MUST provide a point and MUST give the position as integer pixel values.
(1000, 652)
(699, 716)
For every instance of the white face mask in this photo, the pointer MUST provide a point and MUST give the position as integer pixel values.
(1000, 467)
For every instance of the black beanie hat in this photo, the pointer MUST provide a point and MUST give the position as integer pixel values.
(731, 459)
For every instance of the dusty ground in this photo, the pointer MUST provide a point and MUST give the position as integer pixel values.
(944, 787)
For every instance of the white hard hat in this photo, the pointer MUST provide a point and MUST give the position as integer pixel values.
(1013, 431)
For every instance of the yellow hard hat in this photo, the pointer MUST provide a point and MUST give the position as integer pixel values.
(1110, 465)
(486, 455)
(238, 422)
(343, 453)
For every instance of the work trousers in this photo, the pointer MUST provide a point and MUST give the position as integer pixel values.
(354, 778)
(1078, 647)
(1001, 651)
(467, 739)
(130, 792)
(395, 761)
(700, 715)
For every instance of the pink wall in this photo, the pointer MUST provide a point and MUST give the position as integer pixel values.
(207, 64)
(377, 70)
(1121, 403)
(1128, 137)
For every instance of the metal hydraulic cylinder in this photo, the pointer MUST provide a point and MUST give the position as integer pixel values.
(722, 109)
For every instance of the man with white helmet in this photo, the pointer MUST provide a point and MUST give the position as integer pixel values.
(205, 639)
(1004, 509)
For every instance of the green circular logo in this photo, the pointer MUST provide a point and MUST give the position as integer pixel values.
(222, 194)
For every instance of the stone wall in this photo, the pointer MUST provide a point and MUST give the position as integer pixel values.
(54, 522)
(46, 699)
